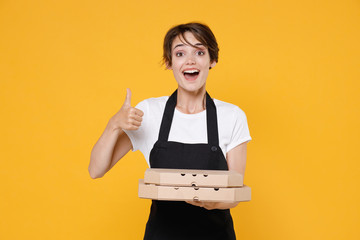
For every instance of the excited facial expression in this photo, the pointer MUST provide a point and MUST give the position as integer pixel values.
(190, 65)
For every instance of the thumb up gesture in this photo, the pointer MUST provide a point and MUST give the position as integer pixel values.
(128, 117)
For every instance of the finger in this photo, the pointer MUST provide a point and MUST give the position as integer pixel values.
(197, 203)
(137, 118)
(210, 205)
(135, 123)
(132, 127)
(139, 112)
(128, 97)
(208, 208)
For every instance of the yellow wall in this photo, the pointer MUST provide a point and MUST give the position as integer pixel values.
(292, 66)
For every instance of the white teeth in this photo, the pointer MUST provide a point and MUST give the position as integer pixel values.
(191, 71)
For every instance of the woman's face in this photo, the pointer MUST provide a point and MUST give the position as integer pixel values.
(190, 65)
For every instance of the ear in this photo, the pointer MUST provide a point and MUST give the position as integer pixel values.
(212, 64)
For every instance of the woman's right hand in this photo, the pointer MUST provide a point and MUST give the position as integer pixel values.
(128, 117)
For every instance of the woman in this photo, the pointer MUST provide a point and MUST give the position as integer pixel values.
(187, 130)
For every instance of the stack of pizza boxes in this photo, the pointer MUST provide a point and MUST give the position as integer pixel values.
(193, 185)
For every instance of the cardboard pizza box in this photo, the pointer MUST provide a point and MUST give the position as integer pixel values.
(187, 177)
(209, 194)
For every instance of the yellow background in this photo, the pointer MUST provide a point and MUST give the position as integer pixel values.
(292, 66)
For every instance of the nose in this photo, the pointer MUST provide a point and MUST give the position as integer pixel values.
(190, 60)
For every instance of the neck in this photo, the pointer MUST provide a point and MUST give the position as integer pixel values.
(191, 102)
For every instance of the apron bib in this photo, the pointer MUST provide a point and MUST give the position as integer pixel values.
(178, 220)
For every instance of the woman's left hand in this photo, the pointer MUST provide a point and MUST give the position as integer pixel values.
(213, 205)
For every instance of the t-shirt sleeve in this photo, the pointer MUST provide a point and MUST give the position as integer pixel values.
(240, 133)
(138, 136)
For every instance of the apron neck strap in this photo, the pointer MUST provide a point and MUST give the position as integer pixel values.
(211, 119)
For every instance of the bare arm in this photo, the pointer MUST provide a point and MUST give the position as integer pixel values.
(113, 144)
(236, 159)
(108, 150)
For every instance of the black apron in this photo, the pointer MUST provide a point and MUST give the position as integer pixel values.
(178, 220)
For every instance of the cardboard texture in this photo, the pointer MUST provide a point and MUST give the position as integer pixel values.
(210, 194)
(186, 177)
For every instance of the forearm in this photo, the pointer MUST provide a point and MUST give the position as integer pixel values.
(102, 152)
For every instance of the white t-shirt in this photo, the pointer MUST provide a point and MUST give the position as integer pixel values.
(189, 128)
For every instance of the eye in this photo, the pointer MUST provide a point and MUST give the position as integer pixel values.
(200, 53)
(179, 54)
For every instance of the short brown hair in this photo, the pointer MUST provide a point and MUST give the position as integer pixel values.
(200, 31)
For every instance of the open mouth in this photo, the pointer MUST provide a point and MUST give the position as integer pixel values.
(191, 74)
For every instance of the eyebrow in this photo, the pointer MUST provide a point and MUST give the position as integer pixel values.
(181, 45)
